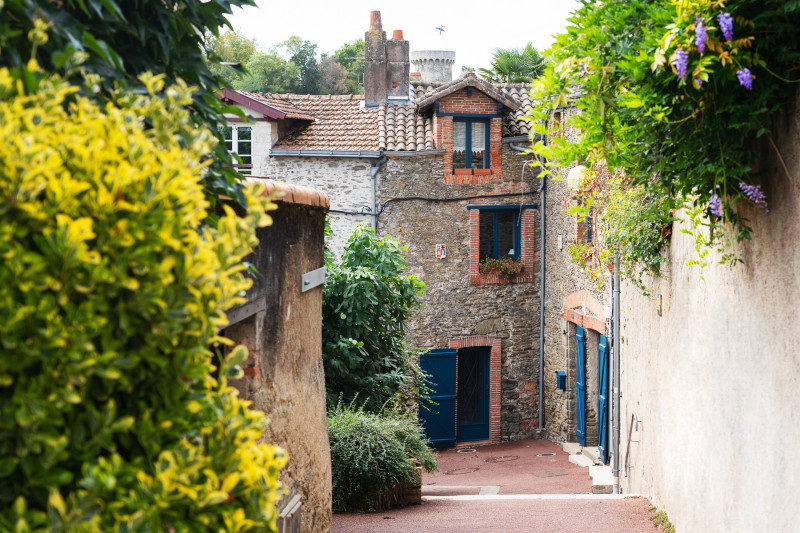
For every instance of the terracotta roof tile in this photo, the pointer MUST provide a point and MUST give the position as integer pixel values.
(338, 122)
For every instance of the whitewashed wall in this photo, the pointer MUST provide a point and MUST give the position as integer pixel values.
(715, 379)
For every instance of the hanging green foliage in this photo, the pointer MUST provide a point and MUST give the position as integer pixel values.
(674, 97)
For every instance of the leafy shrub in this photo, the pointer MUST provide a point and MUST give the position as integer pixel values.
(366, 302)
(111, 291)
(372, 455)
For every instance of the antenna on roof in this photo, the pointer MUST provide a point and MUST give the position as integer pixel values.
(440, 28)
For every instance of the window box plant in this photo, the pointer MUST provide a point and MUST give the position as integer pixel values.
(506, 266)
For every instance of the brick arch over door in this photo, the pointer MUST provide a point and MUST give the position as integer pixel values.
(494, 378)
(583, 309)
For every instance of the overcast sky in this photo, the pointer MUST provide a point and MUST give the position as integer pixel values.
(473, 29)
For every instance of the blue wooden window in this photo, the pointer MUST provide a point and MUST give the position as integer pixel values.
(589, 229)
(499, 235)
(471, 143)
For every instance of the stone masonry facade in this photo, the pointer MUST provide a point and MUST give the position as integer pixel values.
(454, 308)
(563, 279)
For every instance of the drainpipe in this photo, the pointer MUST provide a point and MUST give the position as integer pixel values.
(616, 391)
(374, 167)
(543, 211)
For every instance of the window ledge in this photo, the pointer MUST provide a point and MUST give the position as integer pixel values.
(486, 176)
(497, 279)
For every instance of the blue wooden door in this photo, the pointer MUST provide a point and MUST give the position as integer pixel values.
(472, 404)
(439, 421)
(580, 385)
(602, 399)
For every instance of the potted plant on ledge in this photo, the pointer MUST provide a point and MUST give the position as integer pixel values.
(505, 267)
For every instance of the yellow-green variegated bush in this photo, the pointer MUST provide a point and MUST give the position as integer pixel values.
(111, 292)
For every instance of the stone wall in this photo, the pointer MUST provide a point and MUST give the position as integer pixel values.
(563, 277)
(283, 332)
(713, 378)
(453, 307)
(346, 180)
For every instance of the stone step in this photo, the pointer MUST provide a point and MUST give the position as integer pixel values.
(602, 479)
(593, 453)
(572, 448)
(580, 460)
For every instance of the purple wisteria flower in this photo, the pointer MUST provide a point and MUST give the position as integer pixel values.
(726, 25)
(699, 82)
(745, 78)
(715, 205)
(681, 61)
(755, 194)
(700, 35)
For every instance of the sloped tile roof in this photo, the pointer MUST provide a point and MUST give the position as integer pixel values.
(281, 104)
(401, 128)
(468, 80)
(339, 122)
(513, 123)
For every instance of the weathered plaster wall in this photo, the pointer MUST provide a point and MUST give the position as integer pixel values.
(714, 379)
(284, 375)
(564, 278)
(453, 307)
(345, 180)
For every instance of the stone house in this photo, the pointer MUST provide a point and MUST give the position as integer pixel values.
(440, 165)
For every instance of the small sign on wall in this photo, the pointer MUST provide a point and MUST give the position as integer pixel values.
(441, 251)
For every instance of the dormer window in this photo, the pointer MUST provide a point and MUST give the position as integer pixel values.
(471, 143)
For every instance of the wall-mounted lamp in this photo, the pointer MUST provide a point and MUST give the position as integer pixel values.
(575, 177)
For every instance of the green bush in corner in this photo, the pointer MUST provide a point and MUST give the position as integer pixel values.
(111, 292)
(374, 457)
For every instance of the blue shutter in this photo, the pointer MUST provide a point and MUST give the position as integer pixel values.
(580, 385)
(602, 399)
(439, 421)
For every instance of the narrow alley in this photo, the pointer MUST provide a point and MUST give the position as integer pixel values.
(527, 486)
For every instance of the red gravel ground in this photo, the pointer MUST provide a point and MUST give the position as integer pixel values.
(516, 468)
(547, 516)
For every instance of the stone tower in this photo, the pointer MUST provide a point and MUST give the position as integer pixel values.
(434, 65)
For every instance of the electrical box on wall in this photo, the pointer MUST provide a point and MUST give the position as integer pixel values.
(441, 251)
(561, 380)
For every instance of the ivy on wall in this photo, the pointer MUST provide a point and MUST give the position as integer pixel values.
(674, 98)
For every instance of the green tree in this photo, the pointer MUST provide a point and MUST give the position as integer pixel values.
(334, 77)
(268, 73)
(515, 65)
(231, 49)
(304, 55)
(119, 40)
(351, 57)
(366, 302)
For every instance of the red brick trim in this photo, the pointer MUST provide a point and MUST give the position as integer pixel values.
(527, 247)
(494, 379)
(472, 179)
(584, 299)
(585, 321)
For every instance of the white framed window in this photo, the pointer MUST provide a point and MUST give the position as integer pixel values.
(239, 141)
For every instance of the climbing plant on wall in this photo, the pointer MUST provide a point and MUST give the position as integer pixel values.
(675, 98)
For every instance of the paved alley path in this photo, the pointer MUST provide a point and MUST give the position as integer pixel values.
(526, 486)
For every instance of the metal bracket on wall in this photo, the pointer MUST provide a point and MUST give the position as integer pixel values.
(312, 279)
(247, 310)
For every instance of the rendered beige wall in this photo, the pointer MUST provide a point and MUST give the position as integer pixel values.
(714, 380)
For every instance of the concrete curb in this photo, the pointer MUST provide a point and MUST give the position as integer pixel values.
(487, 497)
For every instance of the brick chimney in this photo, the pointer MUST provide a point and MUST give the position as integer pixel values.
(386, 64)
